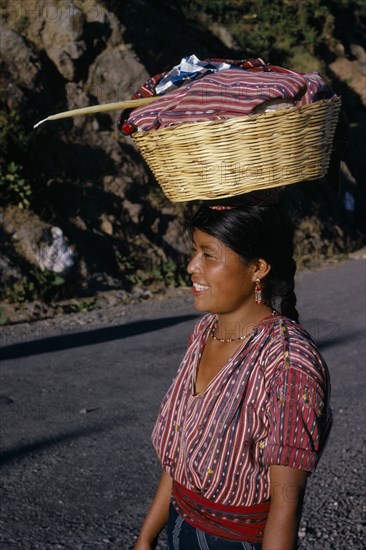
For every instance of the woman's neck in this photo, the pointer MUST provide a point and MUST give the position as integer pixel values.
(238, 324)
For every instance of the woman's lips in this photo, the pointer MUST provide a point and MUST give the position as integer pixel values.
(198, 288)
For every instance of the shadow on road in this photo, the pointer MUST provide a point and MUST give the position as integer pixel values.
(21, 451)
(88, 337)
(324, 342)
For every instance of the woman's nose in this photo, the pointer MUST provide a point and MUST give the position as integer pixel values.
(193, 265)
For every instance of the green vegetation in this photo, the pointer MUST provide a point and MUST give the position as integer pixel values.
(36, 284)
(166, 272)
(169, 273)
(280, 31)
(14, 188)
(14, 144)
(80, 306)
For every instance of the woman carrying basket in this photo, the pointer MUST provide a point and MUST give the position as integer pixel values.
(247, 416)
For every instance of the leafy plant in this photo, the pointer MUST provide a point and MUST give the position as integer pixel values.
(80, 306)
(127, 267)
(14, 144)
(169, 272)
(20, 291)
(13, 187)
(269, 29)
(36, 284)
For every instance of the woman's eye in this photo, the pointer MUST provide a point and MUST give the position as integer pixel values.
(203, 253)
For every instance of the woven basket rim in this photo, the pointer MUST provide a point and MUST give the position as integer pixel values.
(250, 118)
(236, 155)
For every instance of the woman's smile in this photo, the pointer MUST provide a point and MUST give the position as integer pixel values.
(199, 288)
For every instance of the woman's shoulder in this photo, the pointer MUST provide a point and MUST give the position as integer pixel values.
(291, 346)
(297, 337)
(291, 333)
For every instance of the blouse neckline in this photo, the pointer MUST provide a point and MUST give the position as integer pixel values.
(205, 336)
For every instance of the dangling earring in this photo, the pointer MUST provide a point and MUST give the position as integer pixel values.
(258, 292)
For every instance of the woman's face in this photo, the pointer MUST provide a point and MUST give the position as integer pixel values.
(222, 283)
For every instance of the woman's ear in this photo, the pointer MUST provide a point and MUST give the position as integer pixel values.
(261, 269)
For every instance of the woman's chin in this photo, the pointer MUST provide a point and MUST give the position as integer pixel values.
(200, 304)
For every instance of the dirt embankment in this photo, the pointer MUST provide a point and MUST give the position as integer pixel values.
(80, 213)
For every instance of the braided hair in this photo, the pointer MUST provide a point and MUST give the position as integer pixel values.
(257, 227)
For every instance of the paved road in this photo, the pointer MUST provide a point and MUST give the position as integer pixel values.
(77, 410)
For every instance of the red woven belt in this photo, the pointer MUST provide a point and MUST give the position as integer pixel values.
(240, 523)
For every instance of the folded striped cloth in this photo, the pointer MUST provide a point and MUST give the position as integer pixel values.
(240, 90)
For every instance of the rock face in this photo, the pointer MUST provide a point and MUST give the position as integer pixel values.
(63, 42)
(115, 75)
(91, 191)
(20, 67)
(18, 58)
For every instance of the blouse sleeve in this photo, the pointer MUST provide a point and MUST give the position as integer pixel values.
(298, 413)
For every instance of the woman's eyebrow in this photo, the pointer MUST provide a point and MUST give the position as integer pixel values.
(205, 245)
(210, 246)
(202, 245)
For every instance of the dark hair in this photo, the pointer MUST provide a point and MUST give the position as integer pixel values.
(255, 229)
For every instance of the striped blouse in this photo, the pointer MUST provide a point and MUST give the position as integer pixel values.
(268, 405)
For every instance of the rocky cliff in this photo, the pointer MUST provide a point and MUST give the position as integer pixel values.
(80, 212)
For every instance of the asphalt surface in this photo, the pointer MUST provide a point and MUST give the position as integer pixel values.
(77, 406)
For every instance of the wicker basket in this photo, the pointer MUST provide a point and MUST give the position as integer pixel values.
(211, 160)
